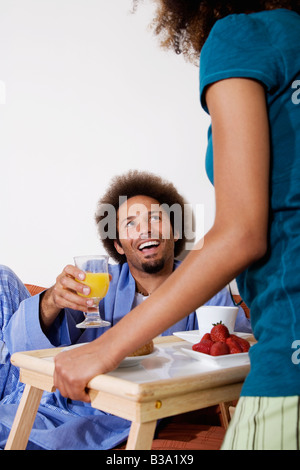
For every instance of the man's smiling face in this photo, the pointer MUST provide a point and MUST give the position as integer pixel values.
(145, 234)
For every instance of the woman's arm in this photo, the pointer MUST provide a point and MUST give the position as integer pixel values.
(238, 237)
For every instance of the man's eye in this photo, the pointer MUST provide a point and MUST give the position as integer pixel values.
(155, 217)
(130, 223)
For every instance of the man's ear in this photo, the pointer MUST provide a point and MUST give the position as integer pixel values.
(176, 235)
(118, 248)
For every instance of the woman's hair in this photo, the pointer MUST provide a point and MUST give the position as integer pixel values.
(138, 183)
(184, 25)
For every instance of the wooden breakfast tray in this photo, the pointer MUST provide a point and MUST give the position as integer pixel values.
(165, 384)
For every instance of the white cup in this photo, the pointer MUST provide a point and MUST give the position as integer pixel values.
(208, 315)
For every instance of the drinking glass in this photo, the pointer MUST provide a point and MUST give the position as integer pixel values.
(97, 279)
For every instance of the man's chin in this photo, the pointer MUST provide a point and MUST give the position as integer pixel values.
(153, 267)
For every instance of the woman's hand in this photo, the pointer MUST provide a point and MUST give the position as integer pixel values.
(76, 367)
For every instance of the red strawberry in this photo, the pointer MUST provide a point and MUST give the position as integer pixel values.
(234, 346)
(219, 349)
(206, 336)
(203, 347)
(219, 332)
(242, 342)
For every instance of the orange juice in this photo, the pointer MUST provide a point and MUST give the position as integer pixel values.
(98, 283)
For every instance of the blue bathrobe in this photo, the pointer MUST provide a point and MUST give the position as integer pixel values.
(62, 423)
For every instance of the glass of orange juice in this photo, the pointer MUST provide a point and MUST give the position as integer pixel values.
(97, 279)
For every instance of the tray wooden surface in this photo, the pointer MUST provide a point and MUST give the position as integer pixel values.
(166, 384)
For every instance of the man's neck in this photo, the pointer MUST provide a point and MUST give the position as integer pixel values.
(148, 283)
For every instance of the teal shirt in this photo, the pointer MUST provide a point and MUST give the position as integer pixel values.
(265, 46)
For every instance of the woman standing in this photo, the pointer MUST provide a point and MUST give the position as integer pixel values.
(250, 86)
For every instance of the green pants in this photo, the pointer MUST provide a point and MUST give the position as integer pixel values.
(264, 423)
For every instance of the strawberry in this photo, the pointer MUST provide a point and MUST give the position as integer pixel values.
(234, 347)
(206, 336)
(242, 342)
(219, 332)
(203, 347)
(219, 349)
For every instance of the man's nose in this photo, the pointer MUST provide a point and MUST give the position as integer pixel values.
(144, 229)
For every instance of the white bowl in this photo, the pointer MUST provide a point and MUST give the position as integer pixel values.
(208, 315)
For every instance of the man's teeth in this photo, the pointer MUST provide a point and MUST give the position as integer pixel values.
(147, 244)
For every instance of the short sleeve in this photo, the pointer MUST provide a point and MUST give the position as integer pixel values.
(239, 46)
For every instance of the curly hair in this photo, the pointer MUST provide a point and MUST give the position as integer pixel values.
(137, 183)
(184, 25)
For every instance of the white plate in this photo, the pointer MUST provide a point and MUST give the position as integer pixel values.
(193, 336)
(128, 361)
(134, 360)
(219, 361)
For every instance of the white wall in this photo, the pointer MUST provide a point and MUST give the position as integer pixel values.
(88, 94)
